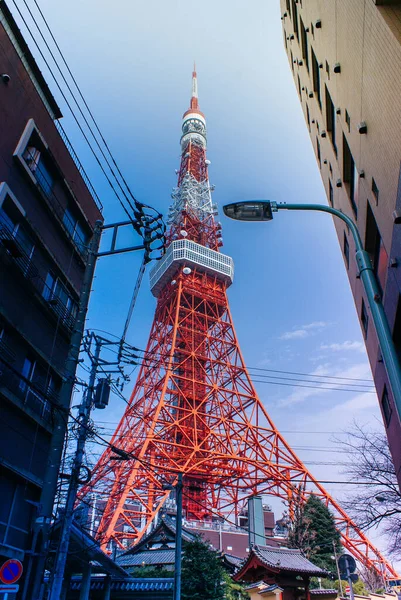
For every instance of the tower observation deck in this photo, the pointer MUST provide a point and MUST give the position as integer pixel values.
(194, 409)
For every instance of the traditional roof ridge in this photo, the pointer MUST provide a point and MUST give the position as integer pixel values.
(165, 521)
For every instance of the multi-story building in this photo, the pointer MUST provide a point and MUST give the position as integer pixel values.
(345, 56)
(48, 209)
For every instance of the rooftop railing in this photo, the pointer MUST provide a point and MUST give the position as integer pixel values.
(78, 164)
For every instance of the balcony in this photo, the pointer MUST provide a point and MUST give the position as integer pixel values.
(34, 395)
(27, 267)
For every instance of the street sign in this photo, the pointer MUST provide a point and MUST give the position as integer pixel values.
(5, 588)
(347, 589)
(346, 560)
(11, 571)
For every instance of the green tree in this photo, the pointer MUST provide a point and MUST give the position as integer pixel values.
(313, 531)
(233, 590)
(202, 572)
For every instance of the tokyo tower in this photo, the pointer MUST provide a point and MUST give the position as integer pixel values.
(194, 408)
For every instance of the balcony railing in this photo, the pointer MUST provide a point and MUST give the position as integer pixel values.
(78, 164)
(26, 265)
(45, 182)
(33, 394)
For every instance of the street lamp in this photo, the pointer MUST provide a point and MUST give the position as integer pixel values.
(262, 210)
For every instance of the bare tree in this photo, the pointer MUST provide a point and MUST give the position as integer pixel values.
(377, 501)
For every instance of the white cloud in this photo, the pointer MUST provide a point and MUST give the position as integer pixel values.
(293, 335)
(316, 325)
(304, 331)
(344, 346)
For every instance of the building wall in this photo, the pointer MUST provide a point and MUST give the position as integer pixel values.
(47, 215)
(364, 39)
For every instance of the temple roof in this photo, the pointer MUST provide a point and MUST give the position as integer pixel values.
(286, 559)
(276, 561)
(160, 539)
(147, 558)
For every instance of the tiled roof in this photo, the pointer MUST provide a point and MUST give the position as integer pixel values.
(322, 592)
(233, 560)
(137, 584)
(286, 559)
(148, 557)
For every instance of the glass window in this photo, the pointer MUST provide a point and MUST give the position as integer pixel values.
(350, 175)
(364, 318)
(331, 194)
(316, 77)
(375, 248)
(346, 249)
(331, 119)
(48, 286)
(375, 191)
(44, 177)
(318, 152)
(26, 372)
(304, 43)
(295, 19)
(386, 406)
(348, 120)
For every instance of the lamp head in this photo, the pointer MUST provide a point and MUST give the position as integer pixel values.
(250, 210)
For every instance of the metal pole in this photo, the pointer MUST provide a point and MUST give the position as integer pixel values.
(338, 569)
(49, 488)
(178, 540)
(351, 589)
(373, 294)
(65, 534)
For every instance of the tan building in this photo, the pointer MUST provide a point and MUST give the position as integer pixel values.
(345, 56)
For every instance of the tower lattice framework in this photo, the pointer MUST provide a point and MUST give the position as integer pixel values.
(194, 408)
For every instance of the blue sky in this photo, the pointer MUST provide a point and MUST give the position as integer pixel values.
(291, 300)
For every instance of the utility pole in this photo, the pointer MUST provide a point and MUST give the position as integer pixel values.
(338, 568)
(178, 539)
(49, 488)
(65, 534)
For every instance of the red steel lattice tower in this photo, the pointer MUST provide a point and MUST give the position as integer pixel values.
(194, 408)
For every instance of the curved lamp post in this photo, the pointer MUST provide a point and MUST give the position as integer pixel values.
(262, 210)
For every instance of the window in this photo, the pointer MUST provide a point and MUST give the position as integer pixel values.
(59, 298)
(350, 175)
(364, 318)
(397, 329)
(346, 249)
(316, 78)
(375, 248)
(75, 229)
(386, 407)
(331, 119)
(16, 237)
(288, 7)
(375, 191)
(348, 120)
(26, 372)
(285, 39)
(304, 43)
(328, 70)
(318, 153)
(299, 86)
(39, 166)
(295, 19)
(331, 194)
(229, 547)
(331, 169)
(308, 116)
(292, 61)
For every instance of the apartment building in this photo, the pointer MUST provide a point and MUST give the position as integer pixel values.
(345, 57)
(48, 209)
